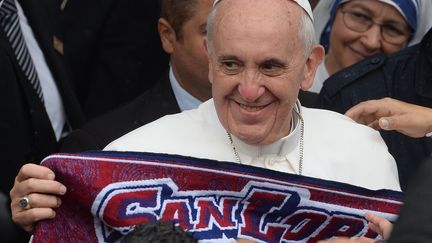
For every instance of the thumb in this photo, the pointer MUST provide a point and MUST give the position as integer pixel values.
(398, 123)
(384, 123)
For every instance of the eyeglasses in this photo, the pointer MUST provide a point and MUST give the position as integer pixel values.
(393, 33)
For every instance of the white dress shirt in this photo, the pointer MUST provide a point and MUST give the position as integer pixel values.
(52, 99)
(185, 100)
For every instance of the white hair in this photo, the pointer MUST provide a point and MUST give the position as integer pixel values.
(209, 28)
(306, 31)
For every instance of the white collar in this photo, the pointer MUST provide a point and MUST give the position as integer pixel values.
(287, 147)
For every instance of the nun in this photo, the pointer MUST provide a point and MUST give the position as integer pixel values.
(352, 30)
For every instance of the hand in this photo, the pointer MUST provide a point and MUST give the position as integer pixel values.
(37, 184)
(379, 224)
(390, 114)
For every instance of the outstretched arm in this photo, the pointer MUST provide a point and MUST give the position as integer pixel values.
(390, 114)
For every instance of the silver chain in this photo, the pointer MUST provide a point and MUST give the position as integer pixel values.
(237, 156)
(301, 142)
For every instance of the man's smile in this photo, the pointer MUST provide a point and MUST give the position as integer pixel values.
(252, 108)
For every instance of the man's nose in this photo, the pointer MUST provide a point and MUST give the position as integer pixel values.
(250, 87)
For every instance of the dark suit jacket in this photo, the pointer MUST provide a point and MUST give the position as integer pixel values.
(26, 134)
(415, 220)
(114, 50)
(151, 105)
(406, 76)
(308, 99)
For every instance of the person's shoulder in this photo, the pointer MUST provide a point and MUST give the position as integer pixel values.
(152, 132)
(323, 115)
(149, 106)
(125, 113)
(352, 74)
(169, 128)
(326, 121)
(335, 129)
(331, 130)
(99, 131)
(369, 72)
(350, 146)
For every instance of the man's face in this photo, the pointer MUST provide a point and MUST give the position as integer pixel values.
(257, 66)
(189, 57)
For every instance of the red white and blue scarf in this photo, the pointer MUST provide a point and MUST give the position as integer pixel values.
(110, 192)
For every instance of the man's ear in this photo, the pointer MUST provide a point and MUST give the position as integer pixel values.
(314, 60)
(167, 35)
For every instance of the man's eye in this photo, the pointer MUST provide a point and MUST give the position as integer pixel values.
(230, 67)
(268, 66)
(271, 69)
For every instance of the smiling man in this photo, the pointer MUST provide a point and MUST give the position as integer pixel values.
(261, 53)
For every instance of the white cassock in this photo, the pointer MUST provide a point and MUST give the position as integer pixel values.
(335, 147)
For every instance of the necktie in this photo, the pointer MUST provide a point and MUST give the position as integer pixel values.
(10, 23)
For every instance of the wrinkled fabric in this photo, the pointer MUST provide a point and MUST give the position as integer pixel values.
(109, 193)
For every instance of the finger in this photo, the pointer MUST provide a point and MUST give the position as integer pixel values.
(32, 185)
(28, 217)
(37, 200)
(384, 123)
(363, 118)
(34, 171)
(374, 227)
(363, 240)
(385, 228)
(365, 108)
(374, 124)
(355, 113)
(379, 224)
(373, 108)
(370, 216)
(374, 219)
(398, 123)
